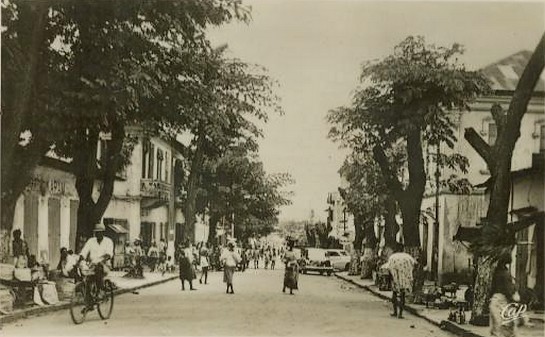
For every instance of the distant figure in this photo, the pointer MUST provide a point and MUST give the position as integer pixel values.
(229, 259)
(273, 261)
(186, 272)
(204, 264)
(291, 274)
(162, 246)
(401, 266)
(153, 255)
(266, 260)
(256, 259)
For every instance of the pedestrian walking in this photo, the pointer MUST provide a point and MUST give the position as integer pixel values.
(204, 264)
(186, 271)
(273, 262)
(503, 292)
(291, 273)
(153, 255)
(256, 259)
(229, 259)
(244, 258)
(266, 260)
(400, 265)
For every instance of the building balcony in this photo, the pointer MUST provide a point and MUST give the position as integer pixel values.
(154, 192)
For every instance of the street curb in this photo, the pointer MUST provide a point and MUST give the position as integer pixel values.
(37, 311)
(443, 325)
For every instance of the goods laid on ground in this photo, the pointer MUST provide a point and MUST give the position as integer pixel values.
(48, 292)
(6, 271)
(7, 299)
(23, 274)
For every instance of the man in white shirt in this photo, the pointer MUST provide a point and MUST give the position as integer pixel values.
(98, 250)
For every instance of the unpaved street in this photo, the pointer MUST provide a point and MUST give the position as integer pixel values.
(325, 306)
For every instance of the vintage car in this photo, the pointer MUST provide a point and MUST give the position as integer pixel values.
(339, 258)
(315, 260)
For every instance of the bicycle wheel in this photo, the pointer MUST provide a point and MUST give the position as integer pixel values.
(106, 303)
(78, 306)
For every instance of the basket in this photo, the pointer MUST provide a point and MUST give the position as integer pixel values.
(65, 289)
(6, 271)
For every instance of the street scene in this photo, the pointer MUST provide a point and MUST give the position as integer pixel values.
(324, 307)
(272, 168)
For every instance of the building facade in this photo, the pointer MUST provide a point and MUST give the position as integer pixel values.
(340, 219)
(145, 204)
(455, 211)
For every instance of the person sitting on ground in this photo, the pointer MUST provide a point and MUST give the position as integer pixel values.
(66, 264)
(20, 250)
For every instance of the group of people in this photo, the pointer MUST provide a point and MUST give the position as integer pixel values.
(155, 256)
(268, 255)
(193, 259)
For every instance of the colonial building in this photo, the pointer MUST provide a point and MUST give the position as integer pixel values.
(340, 219)
(46, 212)
(145, 204)
(455, 211)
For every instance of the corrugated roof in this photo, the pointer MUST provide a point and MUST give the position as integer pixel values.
(506, 73)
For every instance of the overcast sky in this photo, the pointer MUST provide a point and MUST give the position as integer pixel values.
(314, 49)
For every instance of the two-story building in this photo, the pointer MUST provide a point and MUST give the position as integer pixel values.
(145, 204)
(457, 211)
(341, 220)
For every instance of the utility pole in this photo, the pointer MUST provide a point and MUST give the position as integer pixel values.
(435, 248)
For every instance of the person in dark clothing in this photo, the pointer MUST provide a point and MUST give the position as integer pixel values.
(502, 294)
(20, 250)
(186, 272)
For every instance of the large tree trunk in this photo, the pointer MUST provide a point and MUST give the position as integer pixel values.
(498, 159)
(212, 224)
(85, 161)
(355, 256)
(369, 248)
(190, 208)
(391, 226)
(358, 226)
(14, 178)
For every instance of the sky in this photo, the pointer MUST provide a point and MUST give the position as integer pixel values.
(315, 49)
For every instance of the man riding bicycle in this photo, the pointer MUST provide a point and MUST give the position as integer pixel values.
(98, 250)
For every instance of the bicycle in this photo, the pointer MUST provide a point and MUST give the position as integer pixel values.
(87, 295)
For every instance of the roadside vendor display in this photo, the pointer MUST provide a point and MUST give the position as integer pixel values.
(27, 282)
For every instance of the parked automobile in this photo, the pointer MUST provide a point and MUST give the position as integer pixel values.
(315, 260)
(340, 259)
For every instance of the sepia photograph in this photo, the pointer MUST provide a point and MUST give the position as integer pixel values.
(272, 168)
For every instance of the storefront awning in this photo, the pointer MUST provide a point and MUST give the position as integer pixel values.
(118, 229)
(467, 234)
(150, 203)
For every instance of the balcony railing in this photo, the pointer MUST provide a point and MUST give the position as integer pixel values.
(152, 188)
